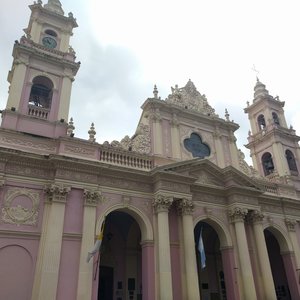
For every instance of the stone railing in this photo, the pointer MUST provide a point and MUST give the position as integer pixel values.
(39, 112)
(128, 159)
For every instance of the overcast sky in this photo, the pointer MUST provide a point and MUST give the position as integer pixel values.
(125, 47)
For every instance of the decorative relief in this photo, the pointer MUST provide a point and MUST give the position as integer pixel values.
(256, 216)
(162, 202)
(189, 98)
(57, 193)
(290, 224)
(185, 206)
(28, 171)
(237, 214)
(75, 175)
(209, 198)
(92, 198)
(139, 143)
(28, 144)
(79, 150)
(126, 200)
(205, 178)
(123, 184)
(21, 207)
(245, 168)
(173, 186)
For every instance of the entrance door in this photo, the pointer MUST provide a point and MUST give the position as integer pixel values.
(106, 280)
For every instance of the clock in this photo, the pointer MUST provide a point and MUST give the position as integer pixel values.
(49, 42)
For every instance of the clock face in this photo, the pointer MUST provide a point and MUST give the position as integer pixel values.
(49, 42)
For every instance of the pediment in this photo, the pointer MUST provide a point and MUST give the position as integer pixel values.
(207, 173)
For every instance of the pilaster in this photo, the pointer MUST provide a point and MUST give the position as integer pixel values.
(85, 280)
(48, 261)
(161, 204)
(256, 218)
(237, 216)
(186, 207)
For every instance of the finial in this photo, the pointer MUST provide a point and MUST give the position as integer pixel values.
(248, 103)
(55, 6)
(226, 114)
(92, 133)
(155, 92)
(70, 128)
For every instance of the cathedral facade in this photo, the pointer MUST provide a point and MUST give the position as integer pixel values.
(175, 209)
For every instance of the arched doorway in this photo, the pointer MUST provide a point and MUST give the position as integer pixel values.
(211, 277)
(278, 267)
(120, 267)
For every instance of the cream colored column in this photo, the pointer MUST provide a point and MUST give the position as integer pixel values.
(65, 96)
(233, 150)
(175, 139)
(237, 216)
(17, 84)
(290, 224)
(161, 205)
(186, 207)
(219, 149)
(263, 257)
(279, 160)
(85, 277)
(157, 132)
(48, 262)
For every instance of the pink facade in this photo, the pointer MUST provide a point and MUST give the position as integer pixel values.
(145, 199)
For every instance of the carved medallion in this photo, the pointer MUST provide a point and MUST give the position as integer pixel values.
(21, 207)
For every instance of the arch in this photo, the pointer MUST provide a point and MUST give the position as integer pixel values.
(219, 227)
(41, 92)
(291, 161)
(281, 237)
(275, 118)
(138, 215)
(51, 32)
(261, 122)
(267, 162)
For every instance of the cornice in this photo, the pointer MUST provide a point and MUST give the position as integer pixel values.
(170, 109)
(45, 54)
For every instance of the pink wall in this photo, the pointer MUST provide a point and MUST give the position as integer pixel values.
(74, 212)
(175, 254)
(69, 268)
(17, 261)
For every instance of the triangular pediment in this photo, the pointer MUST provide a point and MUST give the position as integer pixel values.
(207, 173)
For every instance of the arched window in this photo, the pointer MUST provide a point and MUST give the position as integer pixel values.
(267, 163)
(41, 92)
(51, 32)
(261, 122)
(275, 118)
(291, 161)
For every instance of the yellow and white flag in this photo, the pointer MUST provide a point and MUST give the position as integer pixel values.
(97, 244)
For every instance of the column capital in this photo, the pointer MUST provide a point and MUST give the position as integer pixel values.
(185, 206)
(162, 202)
(290, 224)
(155, 115)
(256, 217)
(57, 193)
(237, 214)
(92, 198)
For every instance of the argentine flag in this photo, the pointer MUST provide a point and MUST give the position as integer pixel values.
(202, 251)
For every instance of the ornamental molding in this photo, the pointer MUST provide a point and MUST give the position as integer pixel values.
(57, 193)
(18, 214)
(92, 198)
(256, 217)
(185, 206)
(79, 150)
(27, 144)
(290, 224)
(189, 98)
(162, 203)
(237, 214)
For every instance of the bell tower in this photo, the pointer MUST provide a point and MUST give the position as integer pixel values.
(273, 146)
(42, 73)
